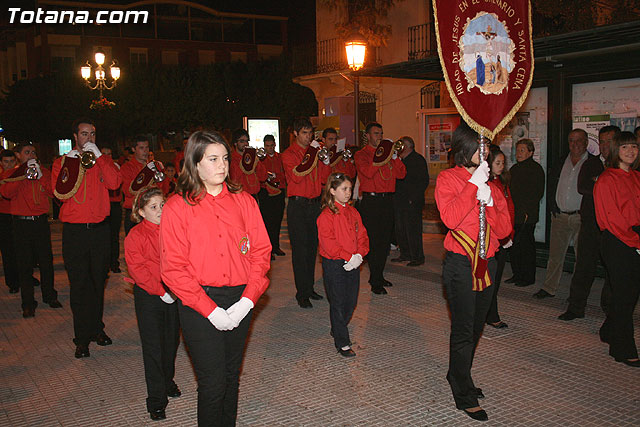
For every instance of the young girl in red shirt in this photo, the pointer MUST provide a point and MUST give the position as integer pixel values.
(342, 242)
(155, 309)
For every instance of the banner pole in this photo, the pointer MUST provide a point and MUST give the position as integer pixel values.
(482, 217)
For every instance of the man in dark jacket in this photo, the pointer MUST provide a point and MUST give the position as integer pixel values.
(408, 203)
(527, 189)
(589, 235)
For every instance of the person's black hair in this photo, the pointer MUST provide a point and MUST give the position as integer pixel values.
(237, 134)
(269, 138)
(76, 124)
(609, 128)
(139, 138)
(301, 123)
(7, 153)
(464, 144)
(372, 125)
(328, 131)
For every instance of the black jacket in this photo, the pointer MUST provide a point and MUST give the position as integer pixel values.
(527, 189)
(412, 187)
(589, 172)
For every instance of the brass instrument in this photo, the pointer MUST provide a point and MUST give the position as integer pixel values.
(87, 159)
(323, 154)
(261, 153)
(347, 155)
(271, 179)
(158, 175)
(398, 146)
(32, 172)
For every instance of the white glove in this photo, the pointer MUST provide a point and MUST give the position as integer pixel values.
(152, 166)
(326, 161)
(508, 244)
(356, 260)
(240, 309)
(638, 251)
(221, 320)
(395, 155)
(73, 153)
(480, 175)
(33, 163)
(167, 298)
(90, 146)
(484, 194)
(315, 144)
(348, 266)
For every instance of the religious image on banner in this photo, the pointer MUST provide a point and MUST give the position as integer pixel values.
(487, 53)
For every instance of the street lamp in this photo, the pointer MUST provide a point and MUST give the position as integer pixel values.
(356, 47)
(100, 74)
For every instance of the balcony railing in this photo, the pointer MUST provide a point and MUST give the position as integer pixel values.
(326, 56)
(422, 41)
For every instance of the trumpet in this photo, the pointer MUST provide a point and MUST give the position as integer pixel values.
(347, 155)
(260, 153)
(271, 179)
(398, 146)
(87, 159)
(32, 172)
(158, 175)
(323, 154)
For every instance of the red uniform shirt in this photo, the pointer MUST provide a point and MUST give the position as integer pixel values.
(459, 208)
(90, 204)
(116, 195)
(342, 234)
(348, 168)
(496, 185)
(309, 185)
(274, 164)
(142, 253)
(616, 196)
(378, 179)
(221, 241)
(29, 197)
(250, 182)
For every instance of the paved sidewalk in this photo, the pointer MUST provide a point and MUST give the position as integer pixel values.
(538, 372)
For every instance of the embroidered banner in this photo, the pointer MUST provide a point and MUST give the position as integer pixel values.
(486, 53)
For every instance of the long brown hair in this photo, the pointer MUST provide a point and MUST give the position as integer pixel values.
(334, 181)
(142, 199)
(620, 139)
(190, 186)
(505, 176)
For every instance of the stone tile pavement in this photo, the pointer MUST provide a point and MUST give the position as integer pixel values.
(538, 372)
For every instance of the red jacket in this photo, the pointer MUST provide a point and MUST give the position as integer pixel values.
(90, 204)
(341, 234)
(220, 241)
(309, 185)
(458, 206)
(28, 196)
(378, 179)
(250, 182)
(348, 168)
(616, 196)
(496, 185)
(142, 253)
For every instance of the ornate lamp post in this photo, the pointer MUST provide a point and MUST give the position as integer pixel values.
(100, 74)
(356, 47)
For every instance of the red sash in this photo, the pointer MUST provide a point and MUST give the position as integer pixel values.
(309, 161)
(69, 179)
(383, 153)
(479, 271)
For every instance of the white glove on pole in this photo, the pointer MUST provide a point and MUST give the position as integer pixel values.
(348, 266)
(315, 144)
(221, 320)
(240, 309)
(167, 298)
(33, 163)
(480, 175)
(484, 194)
(508, 244)
(90, 146)
(73, 153)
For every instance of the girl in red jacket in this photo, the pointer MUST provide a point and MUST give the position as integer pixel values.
(215, 257)
(499, 181)
(155, 309)
(616, 196)
(342, 242)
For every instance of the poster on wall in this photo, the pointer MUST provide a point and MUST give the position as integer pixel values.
(438, 128)
(627, 122)
(591, 125)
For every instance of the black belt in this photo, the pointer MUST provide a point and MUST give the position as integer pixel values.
(377, 194)
(88, 225)
(569, 212)
(305, 199)
(30, 218)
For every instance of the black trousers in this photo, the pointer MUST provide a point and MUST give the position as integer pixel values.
(128, 224)
(272, 209)
(501, 258)
(159, 328)
(623, 265)
(342, 291)
(589, 240)
(408, 229)
(115, 222)
(86, 253)
(377, 216)
(33, 246)
(468, 314)
(523, 253)
(303, 233)
(217, 357)
(8, 252)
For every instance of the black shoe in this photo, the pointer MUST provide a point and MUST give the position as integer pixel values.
(415, 263)
(116, 269)
(498, 325)
(480, 415)
(157, 415)
(82, 350)
(379, 291)
(542, 294)
(174, 391)
(54, 303)
(14, 290)
(36, 282)
(102, 339)
(347, 353)
(479, 393)
(279, 252)
(29, 311)
(387, 284)
(399, 259)
(524, 284)
(273, 257)
(511, 279)
(305, 303)
(316, 296)
(569, 315)
(632, 363)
